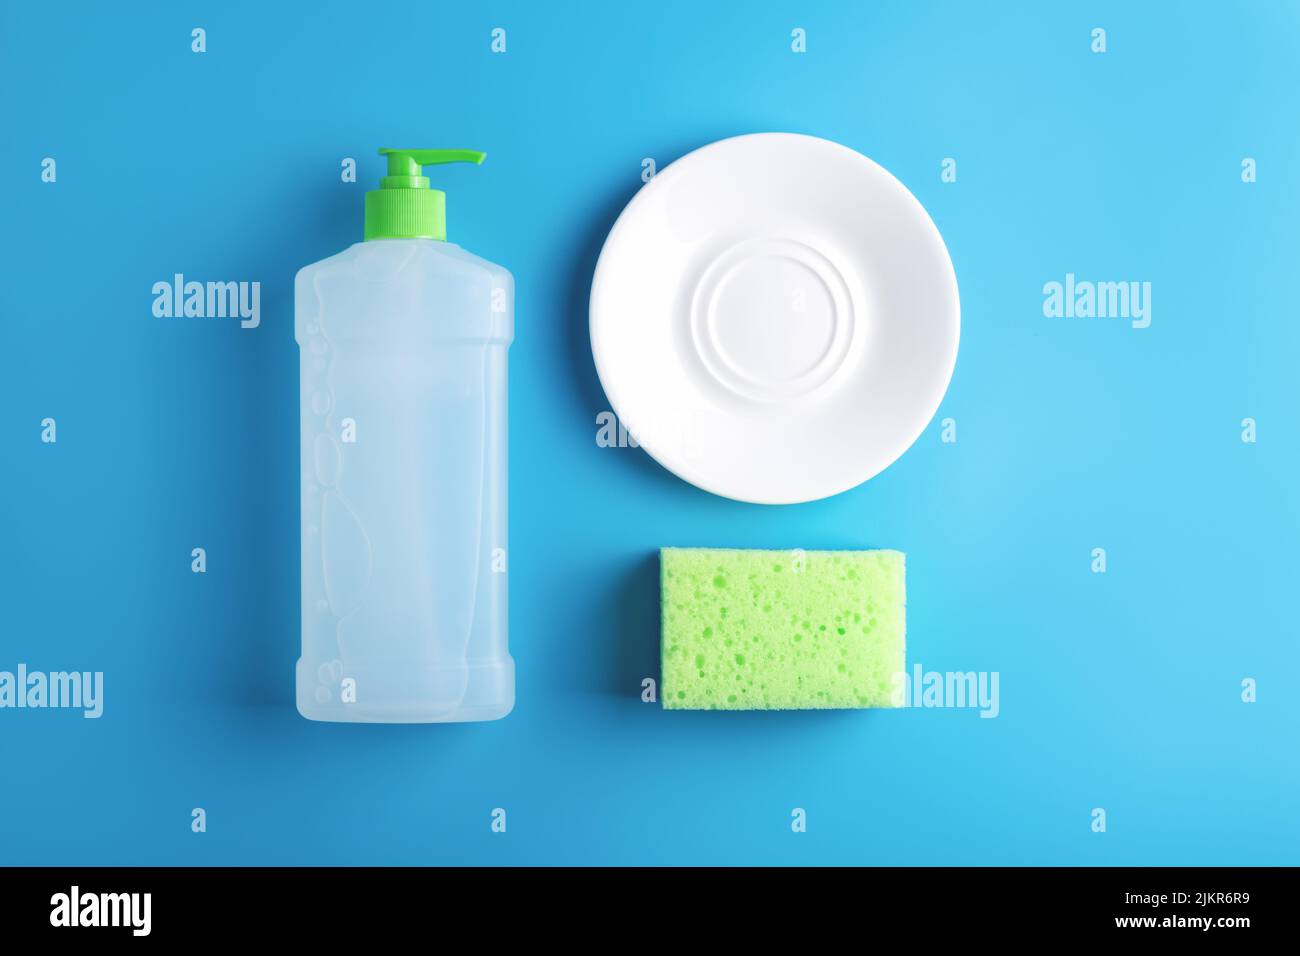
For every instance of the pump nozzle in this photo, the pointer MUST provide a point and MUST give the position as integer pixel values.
(404, 207)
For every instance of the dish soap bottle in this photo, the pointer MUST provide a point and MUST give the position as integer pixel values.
(403, 341)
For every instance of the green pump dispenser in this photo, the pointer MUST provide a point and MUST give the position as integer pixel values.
(404, 207)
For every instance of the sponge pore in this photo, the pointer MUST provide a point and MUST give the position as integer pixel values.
(781, 630)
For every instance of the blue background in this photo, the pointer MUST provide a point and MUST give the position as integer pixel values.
(1119, 691)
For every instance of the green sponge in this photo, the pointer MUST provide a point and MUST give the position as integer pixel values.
(780, 630)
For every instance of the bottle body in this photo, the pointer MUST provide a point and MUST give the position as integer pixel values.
(403, 348)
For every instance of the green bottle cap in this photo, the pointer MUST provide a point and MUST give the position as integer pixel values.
(404, 207)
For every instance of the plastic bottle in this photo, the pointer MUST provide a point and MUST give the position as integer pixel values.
(403, 341)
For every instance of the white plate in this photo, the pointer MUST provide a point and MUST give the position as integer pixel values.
(774, 318)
